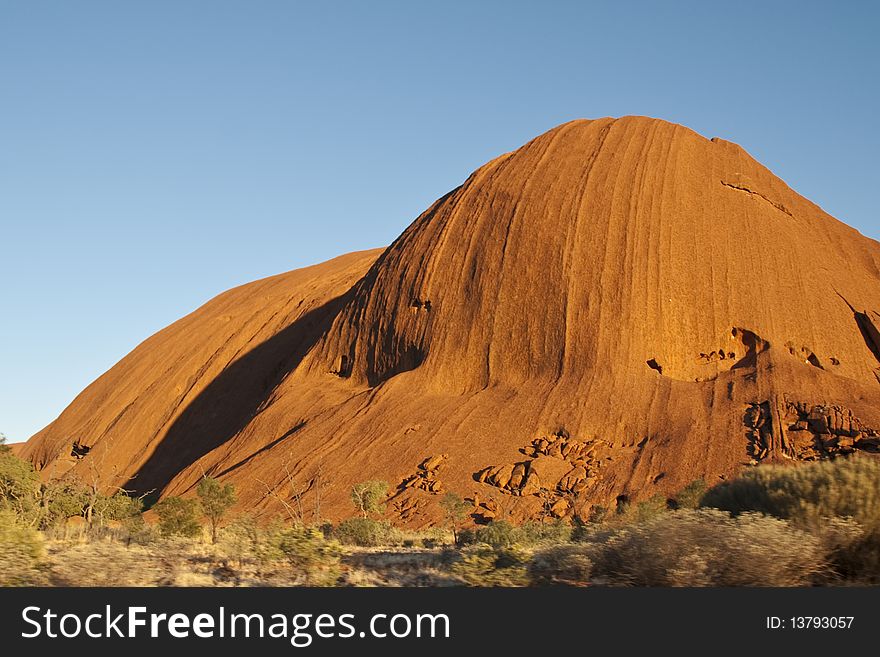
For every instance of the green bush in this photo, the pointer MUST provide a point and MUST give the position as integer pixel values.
(61, 500)
(498, 534)
(466, 537)
(368, 497)
(535, 533)
(119, 507)
(216, 499)
(486, 566)
(365, 532)
(807, 493)
(19, 486)
(21, 549)
(455, 511)
(690, 496)
(561, 564)
(245, 538)
(178, 517)
(309, 552)
(706, 548)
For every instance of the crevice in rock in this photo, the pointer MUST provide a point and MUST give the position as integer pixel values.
(743, 188)
(654, 365)
(869, 331)
(78, 450)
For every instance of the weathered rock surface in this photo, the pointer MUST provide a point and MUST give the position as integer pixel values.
(627, 279)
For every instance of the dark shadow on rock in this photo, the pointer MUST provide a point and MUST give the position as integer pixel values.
(232, 400)
(287, 434)
(867, 328)
(753, 345)
(869, 332)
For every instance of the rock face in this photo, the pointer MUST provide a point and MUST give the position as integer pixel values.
(611, 311)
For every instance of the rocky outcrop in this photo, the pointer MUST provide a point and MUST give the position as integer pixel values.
(759, 429)
(656, 293)
(562, 468)
(426, 477)
(817, 431)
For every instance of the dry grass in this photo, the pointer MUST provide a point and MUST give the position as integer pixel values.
(184, 562)
(826, 532)
(808, 494)
(706, 547)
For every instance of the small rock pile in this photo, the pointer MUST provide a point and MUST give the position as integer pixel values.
(426, 477)
(513, 478)
(484, 511)
(817, 431)
(560, 465)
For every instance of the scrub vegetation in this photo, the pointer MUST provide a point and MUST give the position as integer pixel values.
(815, 524)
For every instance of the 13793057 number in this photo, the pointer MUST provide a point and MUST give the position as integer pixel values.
(821, 622)
(809, 622)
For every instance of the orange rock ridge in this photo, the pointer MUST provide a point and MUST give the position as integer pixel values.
(611, 311)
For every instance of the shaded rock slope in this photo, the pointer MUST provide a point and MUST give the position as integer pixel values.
(611, 311)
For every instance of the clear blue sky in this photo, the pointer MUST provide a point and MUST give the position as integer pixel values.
(153, 154)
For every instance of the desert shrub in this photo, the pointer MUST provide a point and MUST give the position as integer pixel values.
(365, 532)
(61, 500)
(316, 558)
(21, 549)
(649, 508)
(807, 493)
(466, 537)
(486, 566)
(561, 564)
(136, 531)
(118, 507)
(178, 517)
(853, 552)
(858, 561)
(216, 499)
(432, 537)
(369, 496)
(401, 537)
(261, 542)
(533, 533)
(706, 548)
(498, 534)
(19, 485)
(240, 537)
(455, 511)
(690, 496)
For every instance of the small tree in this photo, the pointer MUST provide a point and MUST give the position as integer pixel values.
(178, 516)
(61, 500)
(119, 507)
(369, 496)
(456, 510)
(19, 486)
(216, 500)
